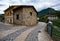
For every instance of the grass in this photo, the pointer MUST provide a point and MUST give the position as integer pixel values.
(56, 22)
(56, 34)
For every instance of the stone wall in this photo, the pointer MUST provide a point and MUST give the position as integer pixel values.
(8, 17)
(29, 19)
(19, 12)
(24, 16)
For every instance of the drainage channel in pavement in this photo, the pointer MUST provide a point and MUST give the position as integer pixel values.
(33, 36)
(24, 34)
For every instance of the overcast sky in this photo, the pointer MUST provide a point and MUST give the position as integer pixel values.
(38, 4)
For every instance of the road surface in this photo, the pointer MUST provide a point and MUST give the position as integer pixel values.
(24, 33)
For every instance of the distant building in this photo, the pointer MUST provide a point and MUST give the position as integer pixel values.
(51, 17)
(21, 15)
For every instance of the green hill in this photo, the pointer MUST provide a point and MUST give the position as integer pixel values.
(46, 11)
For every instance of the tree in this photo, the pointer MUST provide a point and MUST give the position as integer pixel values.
(58, 13)
(2, 17)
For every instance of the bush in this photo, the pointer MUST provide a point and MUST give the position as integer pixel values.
(42, 18)
(56, 22)
(56, 34)
(56, 30)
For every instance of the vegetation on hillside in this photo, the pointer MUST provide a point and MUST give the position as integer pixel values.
(56, 30)
(2, 17)
(41, 14)
(56, 34)
(42, 18)
(46, 11)
(56, 22)
(57, 13)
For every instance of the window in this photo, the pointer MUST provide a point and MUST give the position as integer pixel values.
(31, 13)
(17, 16)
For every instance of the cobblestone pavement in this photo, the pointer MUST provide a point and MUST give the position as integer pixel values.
(33, 36)
(44, 36)
(4, 27)
(24, 34)
(27, 34)
(12, 36)
(4, 33)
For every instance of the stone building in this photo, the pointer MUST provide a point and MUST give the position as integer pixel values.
(21, 15)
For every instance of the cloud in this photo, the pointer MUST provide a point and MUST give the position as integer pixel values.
(38, 4)
(1, 12)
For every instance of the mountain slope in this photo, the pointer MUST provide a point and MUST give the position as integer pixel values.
(46, 11)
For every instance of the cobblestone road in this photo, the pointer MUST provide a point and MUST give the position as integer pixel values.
(4, 27)
(12, 36)
(31, 34)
